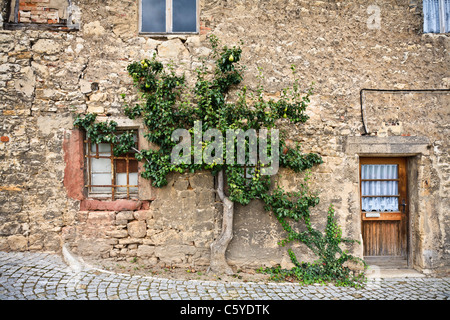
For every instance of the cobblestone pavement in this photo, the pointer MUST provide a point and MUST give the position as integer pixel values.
(42, 276)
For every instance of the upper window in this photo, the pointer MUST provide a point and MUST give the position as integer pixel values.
(436, 16)
(109, 176)
(169, 16)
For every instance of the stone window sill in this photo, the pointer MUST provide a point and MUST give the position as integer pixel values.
(116, 205)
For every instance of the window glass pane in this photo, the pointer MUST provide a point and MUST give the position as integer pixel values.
(101, 179)
(379, 204)
(121, 179)
(379, 171)
(103, 148)
(153, 15)
(133, 182)
(379, 188)
(184, 16)
(101, 165)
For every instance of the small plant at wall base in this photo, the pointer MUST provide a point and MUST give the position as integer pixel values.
(330, 267)
(168, 104)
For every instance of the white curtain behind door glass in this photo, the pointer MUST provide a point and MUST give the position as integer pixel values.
(379, 188)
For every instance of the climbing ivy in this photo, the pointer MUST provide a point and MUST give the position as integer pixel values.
(168, 104)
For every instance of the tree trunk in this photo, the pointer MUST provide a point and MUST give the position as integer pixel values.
(219, 246)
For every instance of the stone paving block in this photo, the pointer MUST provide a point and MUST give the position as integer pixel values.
(23, 280)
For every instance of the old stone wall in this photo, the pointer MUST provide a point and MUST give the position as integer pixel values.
(342, 46)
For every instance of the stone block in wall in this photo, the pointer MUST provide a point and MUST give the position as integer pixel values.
(174, 254)
(202, 180)
(181, 184)
(94, 108)
(94, 29)
(100, 218)
(172, 49)
(145, 251)
(98, 248)
(11, 202)
(35, 241)
(46, 46)
(130, 241)
(143, 215)
(137, 229)
(122, 223)
(17, 243)
(164, 237)
(117, 233)
(125, 215)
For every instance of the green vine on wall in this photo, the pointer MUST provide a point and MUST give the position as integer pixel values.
(330, 265)
(168, 104)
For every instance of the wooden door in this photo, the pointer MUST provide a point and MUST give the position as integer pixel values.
(384, 206)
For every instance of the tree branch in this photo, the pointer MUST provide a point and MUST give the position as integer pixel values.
(220, 184)
(220, 245)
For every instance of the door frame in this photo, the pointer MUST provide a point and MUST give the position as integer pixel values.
(402, 215)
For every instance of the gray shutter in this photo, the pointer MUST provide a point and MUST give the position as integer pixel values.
(447, 15)
(431, 16)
